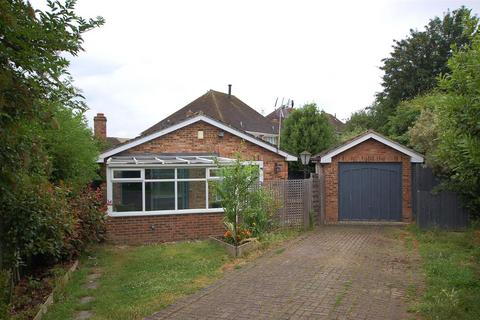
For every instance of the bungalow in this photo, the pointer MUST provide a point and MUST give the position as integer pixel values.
(159, 184)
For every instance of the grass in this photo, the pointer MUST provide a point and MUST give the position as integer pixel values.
(346, 287)
(138, 281)
(451, 263)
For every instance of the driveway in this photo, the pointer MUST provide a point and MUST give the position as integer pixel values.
(335, 272)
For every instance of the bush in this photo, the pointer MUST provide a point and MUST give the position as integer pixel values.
(88, 208)
(44, 224)
(4, 293)
(36, 222)
(246, 205)
(259, 219)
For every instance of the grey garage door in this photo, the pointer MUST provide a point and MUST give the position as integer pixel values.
(370, 191)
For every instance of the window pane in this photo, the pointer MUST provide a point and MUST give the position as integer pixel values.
(126, 174)
(214, 172)
(159, 173)
(159, 196)
(213, 196)
(127, 196)
(191, 195)
(191, 173)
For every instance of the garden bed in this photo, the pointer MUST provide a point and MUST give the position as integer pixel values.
(237, 251)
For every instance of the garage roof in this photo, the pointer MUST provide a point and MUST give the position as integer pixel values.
(326, 156)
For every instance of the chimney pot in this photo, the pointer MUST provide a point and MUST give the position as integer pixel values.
(229, 90)
(100, 126)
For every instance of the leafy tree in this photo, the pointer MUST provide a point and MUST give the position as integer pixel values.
(458, 149)
(308, 129)
(72, 149)
(407, 114)
(360, 121)
(416, 62)
(39, 106)
(448, 128)
(423, 135)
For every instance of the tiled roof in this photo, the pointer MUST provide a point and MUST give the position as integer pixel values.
(222, 107)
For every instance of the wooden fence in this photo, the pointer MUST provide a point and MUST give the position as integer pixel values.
(299, 201)
(435, 208)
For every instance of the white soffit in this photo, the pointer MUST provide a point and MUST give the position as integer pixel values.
(414, 157)
(189, 121)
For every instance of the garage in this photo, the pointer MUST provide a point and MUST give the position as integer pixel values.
(370, 191)
(367, 178)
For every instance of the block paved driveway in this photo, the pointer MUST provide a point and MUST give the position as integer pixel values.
(334, 272)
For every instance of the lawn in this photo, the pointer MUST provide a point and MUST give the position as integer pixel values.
(451, 263)
(136, 281)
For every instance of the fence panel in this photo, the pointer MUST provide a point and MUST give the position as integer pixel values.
(295, 199)
(434, 208)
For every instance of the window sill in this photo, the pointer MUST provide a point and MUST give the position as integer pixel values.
(163, 213)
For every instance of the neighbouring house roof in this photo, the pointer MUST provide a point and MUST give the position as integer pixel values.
(114, 141)
(327, 155)
(223, 107)
(284, 111)
(337, 125)
(186, 122)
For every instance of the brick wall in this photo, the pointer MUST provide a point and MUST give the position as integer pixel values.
(368, 151)
(164, 228)
(190, 226)
(186, 140)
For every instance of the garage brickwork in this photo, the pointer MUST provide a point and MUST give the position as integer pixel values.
(367, 151)
(164, 228)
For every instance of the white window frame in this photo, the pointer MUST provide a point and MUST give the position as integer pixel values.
(144, 212)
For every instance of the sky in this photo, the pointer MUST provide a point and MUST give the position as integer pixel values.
(152, 58)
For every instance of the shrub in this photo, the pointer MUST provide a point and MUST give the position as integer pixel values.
(36, 222)
(263, 207)
(4, 293)
(246, 205)
(88, 208)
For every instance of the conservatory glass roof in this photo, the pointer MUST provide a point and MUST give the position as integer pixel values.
(162, 159)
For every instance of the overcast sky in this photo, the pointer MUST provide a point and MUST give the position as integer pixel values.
(151, 58)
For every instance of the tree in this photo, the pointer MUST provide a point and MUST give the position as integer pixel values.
(407, 114)
(40, 115)
(308, 129)
(423, 135)
(448, 128)
(416, 62)
(458, 149)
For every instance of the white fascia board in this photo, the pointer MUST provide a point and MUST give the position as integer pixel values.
(414, 157)
(190, 121)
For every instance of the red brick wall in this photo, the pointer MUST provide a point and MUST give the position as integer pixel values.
(173, 227)
(186, 140)
(368, 151)
(190, 226)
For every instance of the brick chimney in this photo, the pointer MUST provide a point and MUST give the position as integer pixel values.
(100, 126)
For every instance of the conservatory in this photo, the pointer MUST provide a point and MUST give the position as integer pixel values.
(163, 184)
